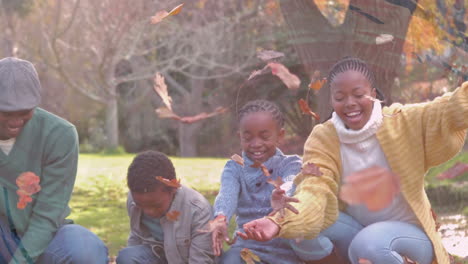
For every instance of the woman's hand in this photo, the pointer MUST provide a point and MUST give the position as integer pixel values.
(375, 187)
(262, 230)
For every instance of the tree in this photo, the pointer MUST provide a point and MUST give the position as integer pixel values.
(10, 11)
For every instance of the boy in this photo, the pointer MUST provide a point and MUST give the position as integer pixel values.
(165, 217)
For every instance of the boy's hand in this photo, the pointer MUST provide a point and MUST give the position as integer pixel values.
(280, 202)
(219, 233)
(262, 230)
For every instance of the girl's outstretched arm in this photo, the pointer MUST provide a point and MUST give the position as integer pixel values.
(318, 206)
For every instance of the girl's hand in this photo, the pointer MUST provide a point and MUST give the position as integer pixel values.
(219, 233)
(375, 187)
(262, 230)
(280, 202)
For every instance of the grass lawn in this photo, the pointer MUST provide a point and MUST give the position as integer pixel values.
(98, 200)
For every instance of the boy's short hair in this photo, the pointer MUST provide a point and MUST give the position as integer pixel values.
(145, 167)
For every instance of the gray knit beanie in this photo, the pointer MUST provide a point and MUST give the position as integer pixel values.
(20, 88)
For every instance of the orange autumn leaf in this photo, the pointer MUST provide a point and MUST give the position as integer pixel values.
(276, 182)
(248, 256)
(364, 261)
(164, 112)
(173, 215)
(458, 169)
(312, 169)
(203, 115)
(28, 184)
(373, 187)
(171, 183)
(160, 15)
(238, 159)
(317, 84)
(306, 109)
(290, 80)
(264, 169)
(161, 89)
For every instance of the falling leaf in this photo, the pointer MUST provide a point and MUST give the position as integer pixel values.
(238, 159)
(364, 261)
(164, 112)
(312, 169)
(160, 15)
(267, 55)
(290, 80)
(248, 256)
(161, 89)
(375, 187)
(317, 84)
(276, 182)
(173, 215)
(28, 184)
(264, 169)
(458, 169)
(383, 38)
(171, 183)
(306, 109)
(203, 115)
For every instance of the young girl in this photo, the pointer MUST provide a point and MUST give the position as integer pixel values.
(364, 140)
(244, 189)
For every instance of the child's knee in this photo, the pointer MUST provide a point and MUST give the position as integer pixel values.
(312, 249)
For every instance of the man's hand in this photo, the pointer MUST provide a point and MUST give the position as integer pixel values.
(262, 230)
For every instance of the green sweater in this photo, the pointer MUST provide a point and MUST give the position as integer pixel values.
(47, 146)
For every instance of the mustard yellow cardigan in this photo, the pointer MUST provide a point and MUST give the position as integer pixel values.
(413, 137)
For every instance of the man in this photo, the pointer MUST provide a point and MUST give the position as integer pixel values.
(38, 143)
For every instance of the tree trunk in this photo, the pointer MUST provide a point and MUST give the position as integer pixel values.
(188, 139)
(191, 105)
(112, 124)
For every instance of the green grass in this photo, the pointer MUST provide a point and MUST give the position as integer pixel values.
(99, 197)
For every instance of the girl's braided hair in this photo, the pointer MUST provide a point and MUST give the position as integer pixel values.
(261, 106)
(354, 64)
(141, 175)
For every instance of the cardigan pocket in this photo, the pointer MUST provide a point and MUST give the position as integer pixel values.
(183, 246)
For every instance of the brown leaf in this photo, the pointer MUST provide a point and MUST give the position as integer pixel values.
(276, 182)
(290, 80)
(306, 109)
(364, 261)
(238, 159)
(161, 89)
(456, 170)
(171, 183)
(173, 215)
(267, 55)
(164, 112)
(317, 84)
(203, 115)
(248, 256)
(160, 15)
(264, 169)
(311, 168)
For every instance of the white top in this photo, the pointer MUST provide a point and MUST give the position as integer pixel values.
(360, 149)
(7, 145)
